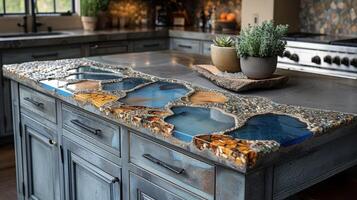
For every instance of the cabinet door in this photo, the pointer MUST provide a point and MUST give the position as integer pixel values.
(89, 176)
(41, 161)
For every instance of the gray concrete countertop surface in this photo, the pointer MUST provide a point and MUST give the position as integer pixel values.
(80, 36)
(303, 89)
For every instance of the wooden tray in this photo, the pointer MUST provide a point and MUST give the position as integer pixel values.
(238, 82)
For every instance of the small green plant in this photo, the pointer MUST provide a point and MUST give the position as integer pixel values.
(89, 8)
(262, 40)
(224, 41)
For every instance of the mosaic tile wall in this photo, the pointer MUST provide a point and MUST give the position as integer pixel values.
(336, 17)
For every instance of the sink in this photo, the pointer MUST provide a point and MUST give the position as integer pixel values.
(16, 35)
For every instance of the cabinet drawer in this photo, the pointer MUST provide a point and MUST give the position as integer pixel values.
(104, 48)
(154, 188)
(44, 53)
(189, 46)
(92, 129)
(150, 45)
(172, 165)
(206, 49)
(38, 103)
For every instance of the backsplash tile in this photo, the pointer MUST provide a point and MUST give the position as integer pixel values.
(336, 17)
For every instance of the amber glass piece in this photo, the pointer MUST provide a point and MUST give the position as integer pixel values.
(84, 85)
(205, 97)
(98, 99)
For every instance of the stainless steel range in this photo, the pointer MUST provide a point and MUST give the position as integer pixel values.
(322, 54)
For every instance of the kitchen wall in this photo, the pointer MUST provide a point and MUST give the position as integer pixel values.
(337, 17)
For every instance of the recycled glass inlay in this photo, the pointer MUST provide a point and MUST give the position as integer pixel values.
(83, 69)
(92, 76)
(191, 121)
(155, 95)
(126, 84)
(283, 129)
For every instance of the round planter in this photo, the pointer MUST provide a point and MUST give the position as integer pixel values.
(258, 68)
(89, 23)
(225, 58)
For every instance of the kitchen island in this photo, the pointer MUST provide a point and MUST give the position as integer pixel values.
(106, 129)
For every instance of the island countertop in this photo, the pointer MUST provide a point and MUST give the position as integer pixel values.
(303, 89)
(194, 98)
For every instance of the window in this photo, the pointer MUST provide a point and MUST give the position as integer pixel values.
(55, 6)
(16, 7)
(9, 7)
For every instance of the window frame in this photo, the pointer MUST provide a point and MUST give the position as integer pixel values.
(28, 10)
(3, 2)
(73, 10)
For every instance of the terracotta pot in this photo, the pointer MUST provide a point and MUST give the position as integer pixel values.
(258, 68)
(225, 58)
(89, 23)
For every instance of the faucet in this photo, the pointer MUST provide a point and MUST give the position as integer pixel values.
(24, 25)
(35, 24)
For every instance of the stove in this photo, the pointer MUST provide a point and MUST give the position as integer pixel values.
(322, 54)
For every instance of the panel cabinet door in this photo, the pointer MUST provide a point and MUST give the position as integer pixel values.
(89, 176)
(41, 174)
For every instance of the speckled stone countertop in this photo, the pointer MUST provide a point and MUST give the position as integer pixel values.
(252, 128)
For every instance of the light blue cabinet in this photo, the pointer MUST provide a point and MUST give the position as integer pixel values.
(40, 161)
(89, 176)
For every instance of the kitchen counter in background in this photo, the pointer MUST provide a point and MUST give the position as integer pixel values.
(79, 36)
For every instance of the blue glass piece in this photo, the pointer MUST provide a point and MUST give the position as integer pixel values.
(155, 95)
(192, 121)
(284, 129)
(82, 69)
(100, 77)
(126, 84)
(55, 85)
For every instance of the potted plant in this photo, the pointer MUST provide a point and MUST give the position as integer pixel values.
(224, 54)
(89, 11)
(258, 47)
(103, 14)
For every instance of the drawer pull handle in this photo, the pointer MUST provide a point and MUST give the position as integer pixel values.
(49, 55)
(38, 104)
(185, 46)
(52, 142)
(174, 169)
(85, 127)
(151, 45)
(114, 180)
